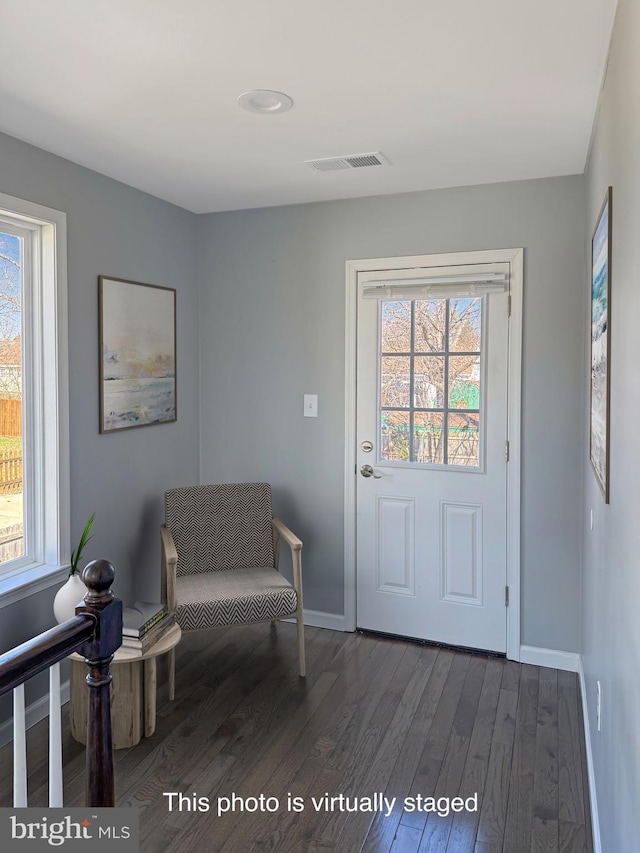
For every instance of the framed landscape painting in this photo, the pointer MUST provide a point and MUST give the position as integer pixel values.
(137, 354)
(601, 345)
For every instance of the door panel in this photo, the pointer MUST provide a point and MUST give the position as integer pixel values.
(395, 531)
(461, 550)
(431, 505)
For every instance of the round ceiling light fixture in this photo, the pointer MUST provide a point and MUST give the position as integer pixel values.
(265, 101)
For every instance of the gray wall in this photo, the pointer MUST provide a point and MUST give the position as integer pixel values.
(118, 231)
(272, 328)
(611, 587)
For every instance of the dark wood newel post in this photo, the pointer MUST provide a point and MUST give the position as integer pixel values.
(106, 610)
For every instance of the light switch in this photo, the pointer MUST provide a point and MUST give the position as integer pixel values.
(311, 405)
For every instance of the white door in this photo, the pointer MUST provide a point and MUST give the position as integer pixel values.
(432, 358)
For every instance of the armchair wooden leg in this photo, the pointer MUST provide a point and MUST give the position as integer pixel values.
(296, 559)
(172, 674)
(300, 622)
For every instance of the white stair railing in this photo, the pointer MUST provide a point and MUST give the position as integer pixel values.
(19, 749)
(55, 738)
(20, 794)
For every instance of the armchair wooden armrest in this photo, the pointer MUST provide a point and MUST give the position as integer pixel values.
(281, 531)
(169, 566)
(290, 538)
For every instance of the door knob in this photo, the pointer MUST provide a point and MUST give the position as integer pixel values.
(367, 471)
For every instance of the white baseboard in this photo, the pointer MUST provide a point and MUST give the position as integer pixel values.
(320, 619)
(595, 822)
(569, 661)
(35, 712)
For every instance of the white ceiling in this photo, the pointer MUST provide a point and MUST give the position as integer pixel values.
(453, 92)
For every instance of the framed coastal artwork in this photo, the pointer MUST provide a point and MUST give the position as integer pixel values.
(601, 345)
(137, 354)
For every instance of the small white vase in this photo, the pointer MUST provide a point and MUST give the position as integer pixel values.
(67, 597)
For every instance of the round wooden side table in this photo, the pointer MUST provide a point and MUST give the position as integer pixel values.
(133, 692)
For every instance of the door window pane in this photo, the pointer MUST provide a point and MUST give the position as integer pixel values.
(396, 381)
(428, 383)
(464, 382)
(430, 396)
(430, 325)
(463, 436)
(11, 486)
(428, 437)
(396, 327)
(395, 436)
(465, 324)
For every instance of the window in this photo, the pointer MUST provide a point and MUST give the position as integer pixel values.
(11, 479)
(34, 457)
(430, 381)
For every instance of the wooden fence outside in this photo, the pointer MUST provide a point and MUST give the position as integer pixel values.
(10, 417)
(10, 472)
(11, 543)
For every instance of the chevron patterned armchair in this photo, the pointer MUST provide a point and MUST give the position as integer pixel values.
(220, 550)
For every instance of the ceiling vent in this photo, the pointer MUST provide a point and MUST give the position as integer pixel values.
(351, 161)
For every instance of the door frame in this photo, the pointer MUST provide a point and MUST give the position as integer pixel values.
(515, 259)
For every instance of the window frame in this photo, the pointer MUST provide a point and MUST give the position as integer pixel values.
(45, 400)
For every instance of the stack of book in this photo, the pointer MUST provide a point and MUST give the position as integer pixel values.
(143, 625)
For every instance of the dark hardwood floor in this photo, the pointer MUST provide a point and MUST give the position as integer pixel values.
(374, 716)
